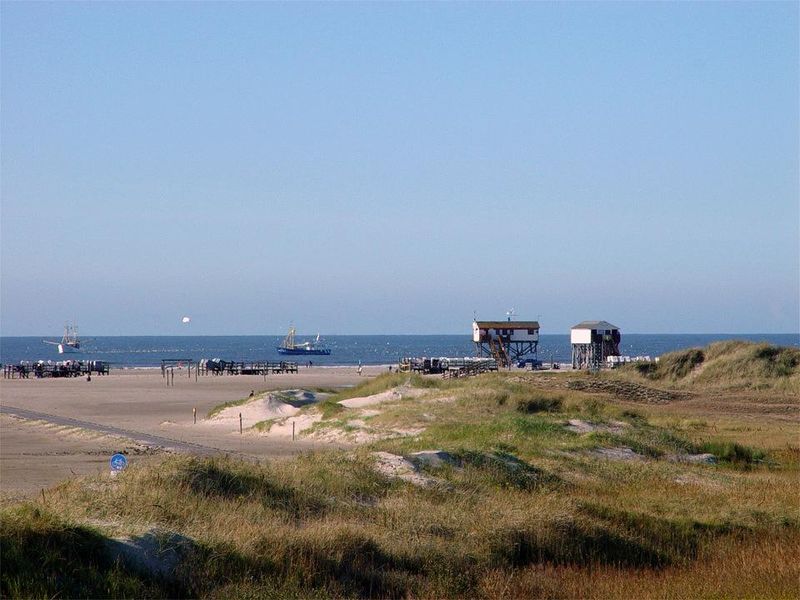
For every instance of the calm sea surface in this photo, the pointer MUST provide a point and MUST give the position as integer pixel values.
(147, 351)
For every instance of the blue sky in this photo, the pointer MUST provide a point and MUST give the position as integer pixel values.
(393, 168)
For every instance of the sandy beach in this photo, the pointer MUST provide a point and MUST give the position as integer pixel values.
(36, 453)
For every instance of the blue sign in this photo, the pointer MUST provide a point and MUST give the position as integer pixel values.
(118, 462)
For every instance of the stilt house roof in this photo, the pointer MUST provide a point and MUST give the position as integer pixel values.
(595, 325)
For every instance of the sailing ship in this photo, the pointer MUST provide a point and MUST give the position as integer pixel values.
(70, 343)
(293, 348)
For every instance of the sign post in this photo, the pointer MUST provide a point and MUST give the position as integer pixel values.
(118, 463)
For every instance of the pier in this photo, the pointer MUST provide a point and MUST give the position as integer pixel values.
(225, 367)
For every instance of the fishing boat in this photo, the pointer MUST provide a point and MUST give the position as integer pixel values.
(69, 344)
(293, 348)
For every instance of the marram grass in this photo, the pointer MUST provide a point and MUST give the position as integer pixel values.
(525, 510)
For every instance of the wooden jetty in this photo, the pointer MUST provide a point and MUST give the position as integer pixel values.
(226, 367)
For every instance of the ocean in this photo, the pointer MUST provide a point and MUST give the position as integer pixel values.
(148, 351)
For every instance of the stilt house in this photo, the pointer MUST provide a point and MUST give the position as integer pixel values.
(592, 342)
(506, 341)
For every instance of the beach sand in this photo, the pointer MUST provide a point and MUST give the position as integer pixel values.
(35, 454)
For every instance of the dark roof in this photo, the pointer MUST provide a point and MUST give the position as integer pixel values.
(594, 325)
(508, 324)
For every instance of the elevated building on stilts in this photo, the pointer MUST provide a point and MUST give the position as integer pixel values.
(593, 342)
(506, 341)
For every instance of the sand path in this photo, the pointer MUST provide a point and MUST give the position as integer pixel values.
(139, 401)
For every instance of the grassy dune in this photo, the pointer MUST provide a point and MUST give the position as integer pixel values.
(528, 508)
(727, 364)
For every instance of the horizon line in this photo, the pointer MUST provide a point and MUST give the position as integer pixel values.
(468, 334)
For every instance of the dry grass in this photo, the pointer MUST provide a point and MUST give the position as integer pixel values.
(753, 568)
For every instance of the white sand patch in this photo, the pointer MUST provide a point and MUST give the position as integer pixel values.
(370, 412)
(387, 396)
(409, 431)
(625, 454)
(334, 435)
(393, 395)
(702, 459)
(282, 428)
(263, 408)
(397, 467)
(440, 400)
(579, 426)
(361, 434)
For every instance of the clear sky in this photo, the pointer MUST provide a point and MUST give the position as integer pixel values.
(393, 168)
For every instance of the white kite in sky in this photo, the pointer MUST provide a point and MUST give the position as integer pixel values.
(186, 320)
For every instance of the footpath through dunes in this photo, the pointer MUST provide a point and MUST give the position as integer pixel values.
(141, 406)
(146, 439)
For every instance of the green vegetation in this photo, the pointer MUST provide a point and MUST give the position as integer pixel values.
(539, 403)
(329, 408)
(263, 426)
(727, 364)
(524, 506)
(733, 453)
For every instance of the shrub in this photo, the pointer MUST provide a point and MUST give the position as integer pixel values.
(574, 541)
(677, 365)
(506, 470)
(646, 369)
(539, 403)
(733, 453)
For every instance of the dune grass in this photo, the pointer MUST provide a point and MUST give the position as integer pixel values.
(327, 525)
(43, 555)
(330, 406)
(726, 364)
(525, 510)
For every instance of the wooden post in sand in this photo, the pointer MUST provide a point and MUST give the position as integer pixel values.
(240, 423)
(292, 430)
(194, 415)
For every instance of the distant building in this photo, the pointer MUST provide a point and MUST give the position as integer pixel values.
(592, 342)
(506, 341)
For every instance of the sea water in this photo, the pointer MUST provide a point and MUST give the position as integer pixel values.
(148, 351)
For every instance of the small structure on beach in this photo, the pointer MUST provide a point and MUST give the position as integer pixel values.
(592, 342)
(506, 341)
